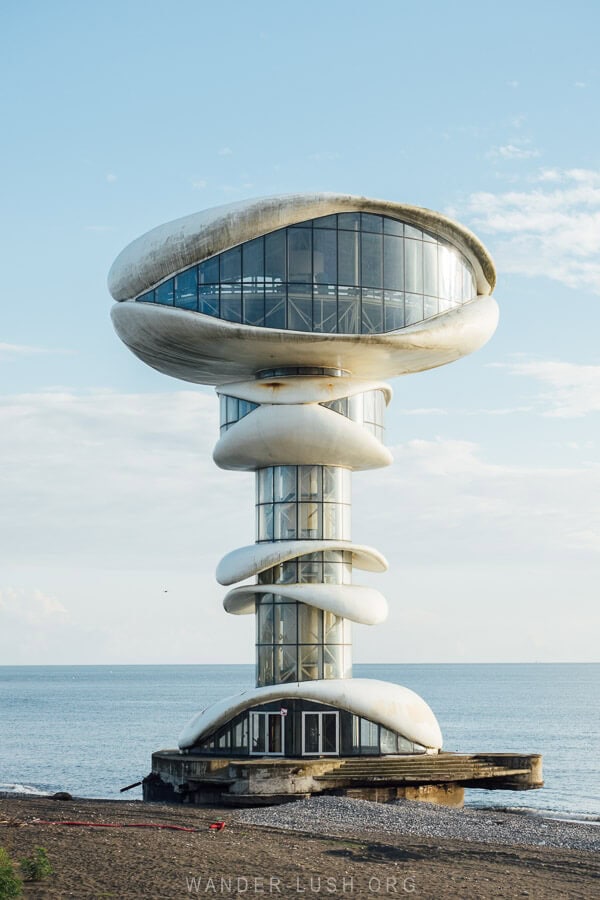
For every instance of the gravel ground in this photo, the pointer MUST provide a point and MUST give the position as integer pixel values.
(357, 856)
(334, 815)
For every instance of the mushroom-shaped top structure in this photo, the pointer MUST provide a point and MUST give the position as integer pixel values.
(296, 307)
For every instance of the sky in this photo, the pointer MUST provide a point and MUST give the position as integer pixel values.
(117, 117)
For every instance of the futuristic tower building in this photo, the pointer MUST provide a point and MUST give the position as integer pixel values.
(296, 308)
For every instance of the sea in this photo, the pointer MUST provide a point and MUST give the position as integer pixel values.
(90, 730)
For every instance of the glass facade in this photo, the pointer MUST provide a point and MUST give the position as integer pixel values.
(326, 567)
(296, 642)
(264, 730)
(300, 370)
(233, 409)
(370, 739)
(367, 409)
(350, 273)
(303, 503)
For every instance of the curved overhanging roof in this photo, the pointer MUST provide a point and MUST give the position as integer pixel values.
(206, 350)
(391, 705)
(284, 389)
(254, 558)
(303, 435)
(176, 245)
(360, 604)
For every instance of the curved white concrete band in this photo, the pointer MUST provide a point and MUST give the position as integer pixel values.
(302, 389)
(303, 435)
(363, 605)
(176, 245)
(254, 558)
(206, 350)
(391, 705)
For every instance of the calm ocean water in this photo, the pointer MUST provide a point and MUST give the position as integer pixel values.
(90, 730)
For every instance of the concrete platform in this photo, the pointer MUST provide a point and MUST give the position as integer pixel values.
(437, 778)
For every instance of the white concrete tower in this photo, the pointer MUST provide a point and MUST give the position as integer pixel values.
(295, 308)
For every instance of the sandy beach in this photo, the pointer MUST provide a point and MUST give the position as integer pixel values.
(326, 858)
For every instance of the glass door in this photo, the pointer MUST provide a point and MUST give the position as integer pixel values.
(267, 736)
(329, 734)
(320, 733)
(310, 733)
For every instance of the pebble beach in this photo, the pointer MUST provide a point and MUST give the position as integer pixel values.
(332, 815)
(324, 847)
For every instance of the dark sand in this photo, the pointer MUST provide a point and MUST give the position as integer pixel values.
(252, 861)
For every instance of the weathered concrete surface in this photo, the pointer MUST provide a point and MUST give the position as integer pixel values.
(244, 562)
(176, 245)
(533, 777)
(299, 434)
(207, 350)
(439, 778)
(364, 605)
(285, 389)
(441, 794)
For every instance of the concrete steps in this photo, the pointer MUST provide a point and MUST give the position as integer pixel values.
(413, 770)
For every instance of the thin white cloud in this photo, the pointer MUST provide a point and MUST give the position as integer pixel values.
(424, 411)
(198, 184)
(513, 84)
(467, 506)
(548, 175)
(587, 538)
(116, 499)
(324, 156)
(33, 607)
(111, 177)
(128, 480)
(10, 351)
(237, 188)
(113, 478)
(514, 151)
(465, 411)
(571, 390)
(580, 84)
(551, 230)
(225, 151)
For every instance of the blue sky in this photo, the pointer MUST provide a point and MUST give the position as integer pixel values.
(119, 116)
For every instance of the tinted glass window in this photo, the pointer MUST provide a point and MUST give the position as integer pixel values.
(165, 292)
(231, 264)
(300, 255)
(275, 269)
(186, 289)
(348, 258)
(209, 271)
(325, 256)
(347, 273)
(372, 260)
(254, 260)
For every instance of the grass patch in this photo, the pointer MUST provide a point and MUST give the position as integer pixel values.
(35, 867)
(10, 883)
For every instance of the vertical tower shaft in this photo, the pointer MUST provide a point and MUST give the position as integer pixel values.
(296, 641)
(303, 516)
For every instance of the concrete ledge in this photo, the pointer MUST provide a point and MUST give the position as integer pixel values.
(259, 781)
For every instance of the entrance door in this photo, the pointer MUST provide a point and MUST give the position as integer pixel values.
(267, 734)
(320, 734)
